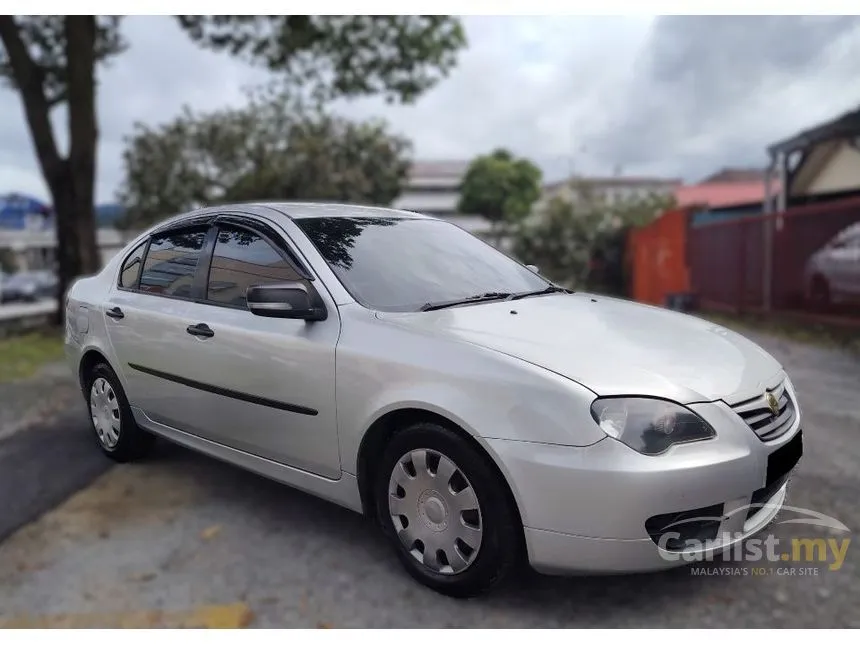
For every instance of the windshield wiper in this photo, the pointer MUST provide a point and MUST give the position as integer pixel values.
(550, 289)
(490, 295)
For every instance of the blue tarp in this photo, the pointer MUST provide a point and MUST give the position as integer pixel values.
(18, 211)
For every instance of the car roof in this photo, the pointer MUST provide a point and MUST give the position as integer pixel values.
(291, 210)
(303, 210)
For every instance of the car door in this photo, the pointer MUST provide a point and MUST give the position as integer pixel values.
(143, 315)
(264, 385)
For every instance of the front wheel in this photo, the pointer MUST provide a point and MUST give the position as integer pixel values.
(446, 511)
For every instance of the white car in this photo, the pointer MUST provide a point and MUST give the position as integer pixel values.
(396, 365)
(833, 272)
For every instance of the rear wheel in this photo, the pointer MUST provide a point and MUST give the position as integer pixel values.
(446, 512)
(118, 436)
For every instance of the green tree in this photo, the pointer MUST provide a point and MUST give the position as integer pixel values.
(500, 187)
(568, 236)
(271, 149)
(52, 61)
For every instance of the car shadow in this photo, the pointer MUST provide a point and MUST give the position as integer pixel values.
(529, 597)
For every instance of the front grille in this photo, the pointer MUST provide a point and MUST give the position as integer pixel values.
(758, 416)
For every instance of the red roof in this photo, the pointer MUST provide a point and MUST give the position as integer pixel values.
(735, 174)
(721, 194)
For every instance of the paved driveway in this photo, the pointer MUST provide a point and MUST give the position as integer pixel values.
(184, 540)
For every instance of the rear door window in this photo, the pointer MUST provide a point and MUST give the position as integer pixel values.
(171, 262)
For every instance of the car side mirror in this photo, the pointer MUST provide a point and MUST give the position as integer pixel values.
(285, 300)
(533, 268)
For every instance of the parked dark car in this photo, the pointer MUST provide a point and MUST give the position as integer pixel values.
(29, 286)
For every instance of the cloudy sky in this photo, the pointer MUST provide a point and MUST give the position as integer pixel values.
(652, 95)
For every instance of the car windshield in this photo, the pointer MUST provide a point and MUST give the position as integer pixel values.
(404, 264)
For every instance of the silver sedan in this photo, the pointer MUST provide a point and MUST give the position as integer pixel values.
(396, 365)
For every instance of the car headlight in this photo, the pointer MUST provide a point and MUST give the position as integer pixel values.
(649, 426)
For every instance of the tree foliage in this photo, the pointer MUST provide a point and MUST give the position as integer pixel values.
(398, 57)
(581, 241)
(52, 60)
(46, 40)
(271, 149)
(500, 187)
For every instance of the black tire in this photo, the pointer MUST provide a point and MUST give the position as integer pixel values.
(134, 443)
(501, 548)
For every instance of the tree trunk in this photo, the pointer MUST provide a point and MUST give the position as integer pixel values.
(77, 250)
(72, 180)
(74, 194)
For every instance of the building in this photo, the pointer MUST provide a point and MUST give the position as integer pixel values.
(728, 194)
(735, 175)
(610, 190)
(818, 164)
(433, 188)
(20, 212)
(28, 239)
(789, 241)
(37, 250)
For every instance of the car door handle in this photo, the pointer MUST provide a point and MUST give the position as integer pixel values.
(200, 329)
(115, 313)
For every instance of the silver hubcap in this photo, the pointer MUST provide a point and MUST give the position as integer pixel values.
(104, 409)
(435, 511)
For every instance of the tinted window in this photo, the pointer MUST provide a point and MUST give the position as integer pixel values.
(131, 268)
(243, 259)
(394, 264)
(171, 262)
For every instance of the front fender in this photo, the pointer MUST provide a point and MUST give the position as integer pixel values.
(488, 394)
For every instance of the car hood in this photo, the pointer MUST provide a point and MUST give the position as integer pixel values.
(611, 346)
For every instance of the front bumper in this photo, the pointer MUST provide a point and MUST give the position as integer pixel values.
(584, 509)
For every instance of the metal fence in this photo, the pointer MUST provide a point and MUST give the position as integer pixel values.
(16, 318)
(815, 264)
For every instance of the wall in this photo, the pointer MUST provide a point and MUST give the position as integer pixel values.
(840, 173)
(35, 250)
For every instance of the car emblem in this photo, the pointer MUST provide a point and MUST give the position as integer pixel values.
(772, 403)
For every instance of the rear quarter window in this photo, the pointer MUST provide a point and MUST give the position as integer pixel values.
(130, 270)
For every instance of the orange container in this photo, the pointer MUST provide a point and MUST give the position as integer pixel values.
(658, 258)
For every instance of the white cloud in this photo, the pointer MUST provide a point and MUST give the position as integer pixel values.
(670, 95)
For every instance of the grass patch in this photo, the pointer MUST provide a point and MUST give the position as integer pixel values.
(822, 334)
(22, 356)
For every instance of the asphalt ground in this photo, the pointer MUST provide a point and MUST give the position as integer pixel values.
(182, 540)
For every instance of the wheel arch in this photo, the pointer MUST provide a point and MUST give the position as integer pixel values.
(89, 360)
(386, 426)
